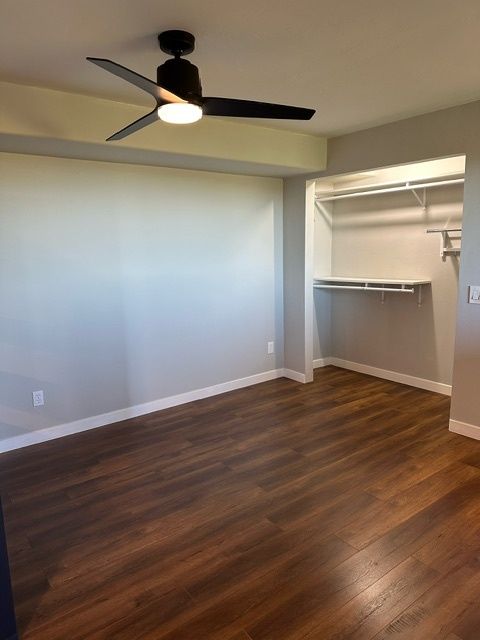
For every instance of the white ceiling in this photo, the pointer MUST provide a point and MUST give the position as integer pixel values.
(359, 63)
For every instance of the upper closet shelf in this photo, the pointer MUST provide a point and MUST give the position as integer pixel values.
(352, 192)
(381, 285)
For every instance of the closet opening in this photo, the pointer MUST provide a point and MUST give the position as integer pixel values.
(386, 261)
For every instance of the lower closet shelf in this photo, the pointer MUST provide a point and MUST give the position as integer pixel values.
(381, 285)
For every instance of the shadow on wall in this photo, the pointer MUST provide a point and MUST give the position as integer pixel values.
(396, 336)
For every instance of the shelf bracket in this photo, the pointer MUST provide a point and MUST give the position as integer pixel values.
(445, 239)
(419, 297)
(404, 288)
(422, 202)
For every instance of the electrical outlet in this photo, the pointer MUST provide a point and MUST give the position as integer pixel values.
(270, 348)
(38, 398)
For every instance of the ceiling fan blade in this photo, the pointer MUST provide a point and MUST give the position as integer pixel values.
(161, 95)
(142, 122)
(230, 107)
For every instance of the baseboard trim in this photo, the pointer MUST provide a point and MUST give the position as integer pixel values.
(294, 375)
(464, 429)
(93, 422)
(420, 383)
(322, 362)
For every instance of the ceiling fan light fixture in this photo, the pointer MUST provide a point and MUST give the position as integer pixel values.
(178, 91)
(180, 112)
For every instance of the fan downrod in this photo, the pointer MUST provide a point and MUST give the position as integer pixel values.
(176, 43)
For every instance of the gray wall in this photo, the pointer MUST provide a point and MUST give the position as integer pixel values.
(298, 221)
(384, 236)
(124, 284)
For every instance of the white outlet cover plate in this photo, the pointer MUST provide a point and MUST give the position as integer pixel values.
(38, 398)
(474, 294)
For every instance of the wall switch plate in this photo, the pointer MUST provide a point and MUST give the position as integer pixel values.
(37, 398)
(270, 348)
(474, 294)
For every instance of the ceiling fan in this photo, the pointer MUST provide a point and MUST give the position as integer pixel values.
(178, 92)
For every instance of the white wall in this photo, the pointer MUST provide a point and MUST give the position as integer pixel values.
(383, 236)
(322, 266)
(121, 285)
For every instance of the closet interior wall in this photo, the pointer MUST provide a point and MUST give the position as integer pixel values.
(383, 236)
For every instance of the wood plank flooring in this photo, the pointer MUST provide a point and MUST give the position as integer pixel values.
(342, 509)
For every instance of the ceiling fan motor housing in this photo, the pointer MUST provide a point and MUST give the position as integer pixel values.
(180, 77)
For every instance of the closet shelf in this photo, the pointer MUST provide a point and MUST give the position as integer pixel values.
(381, 285)
(352, 192)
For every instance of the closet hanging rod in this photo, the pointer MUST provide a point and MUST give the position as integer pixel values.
(406, 187)
(442, 230)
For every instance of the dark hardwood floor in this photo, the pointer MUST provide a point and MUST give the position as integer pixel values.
(334, 510)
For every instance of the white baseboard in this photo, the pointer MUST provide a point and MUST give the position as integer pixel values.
(294, 375)
(321, 362)
(93, 422)
(428, 385)
(464, 429)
